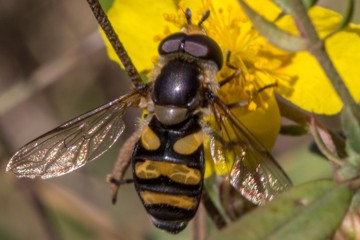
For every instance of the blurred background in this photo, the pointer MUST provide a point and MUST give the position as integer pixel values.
(53, 67)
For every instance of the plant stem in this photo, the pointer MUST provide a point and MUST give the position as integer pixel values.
(308, 30)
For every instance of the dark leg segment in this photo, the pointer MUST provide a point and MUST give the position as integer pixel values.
(122, 164)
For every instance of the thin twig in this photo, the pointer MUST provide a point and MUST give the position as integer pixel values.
(119, 48)
(64, 200)
(30, 192)
(198, 224)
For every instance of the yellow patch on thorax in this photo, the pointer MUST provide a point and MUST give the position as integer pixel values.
(189, 144)
(149, 140)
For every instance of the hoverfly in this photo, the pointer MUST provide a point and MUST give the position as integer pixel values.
(168, 159)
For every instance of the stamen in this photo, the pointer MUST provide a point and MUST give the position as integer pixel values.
(252, 106)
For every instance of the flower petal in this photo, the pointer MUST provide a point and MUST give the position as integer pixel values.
(312, 90)
(137, 23)
(266, 8)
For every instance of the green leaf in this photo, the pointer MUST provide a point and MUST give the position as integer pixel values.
(309, 3)
(347, 17)
(288, 6)
(106, 4)
(350, 169)
(285, 6)
(347, 172)
(351, 128)
(355, 203)
(274, 34)
(293, 130)
(304, 212)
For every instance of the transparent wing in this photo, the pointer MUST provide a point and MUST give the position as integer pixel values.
(74, 143)
(251, 168)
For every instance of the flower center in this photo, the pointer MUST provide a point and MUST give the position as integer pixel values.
(251, 71)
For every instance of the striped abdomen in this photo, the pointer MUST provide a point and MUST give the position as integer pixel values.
(168, 169)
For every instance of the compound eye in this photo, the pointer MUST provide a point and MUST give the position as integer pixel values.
(171, 44)
(197, 45)
(203, 47)
(197, 49)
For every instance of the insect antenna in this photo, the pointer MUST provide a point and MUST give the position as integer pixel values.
(204, 17)
(105, 24)
(188, 16)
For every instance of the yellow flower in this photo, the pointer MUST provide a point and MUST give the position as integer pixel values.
(313, 91)
(262, 68)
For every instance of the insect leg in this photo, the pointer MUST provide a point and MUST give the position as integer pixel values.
(237, 72)
(271, 85)
(245, 103)
(116, 178)
(212, 211)
(119, 48)
(229, 65)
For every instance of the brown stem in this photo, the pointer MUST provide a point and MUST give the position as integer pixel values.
(29, 190)
(198, 230)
